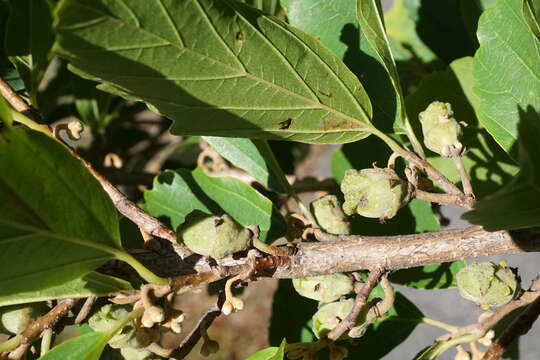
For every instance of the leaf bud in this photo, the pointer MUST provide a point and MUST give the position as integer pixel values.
(440, 129)
(214, 236)
(330, 315)
(487, 284)
(375, 193)
(329, 215)
(324, 288)
(15, 318)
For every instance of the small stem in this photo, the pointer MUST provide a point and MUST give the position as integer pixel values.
(122, 322)
(268, 249)
(10, 344)
(465, 180)
(412, 137)
(17, 116)
(141, 269)
(440, 198)
(439, 324)
(46, 341)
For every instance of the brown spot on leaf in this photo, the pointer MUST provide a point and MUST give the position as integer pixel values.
(363, 202)
(325, 94)
(317, 287)
(285, 125)
(239, 35)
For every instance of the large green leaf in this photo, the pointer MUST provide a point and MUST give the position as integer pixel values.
(29, 38)
(487, 164)
(334, 23)
(215, 68)
(84, 347)
(56, 222)
(517, 204)
(92, 284)
(506, 70)
(531, 14)
(253, 156)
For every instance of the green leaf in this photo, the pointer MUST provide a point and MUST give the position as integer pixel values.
(370, 18)
(91, 284)
(335, 25)
(249, 155)
(216, 68)
(29, 39)
(240, 201)
(84, 347)
(509, 53)
(531, 14)
(517, 204)
(486, 163)
(175, 195)
(54, 212)
(271, 353)
(436, 276)
(267, 6)
(5, 112)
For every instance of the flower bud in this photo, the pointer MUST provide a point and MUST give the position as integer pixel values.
(130, 335)
(375, 193)
(329, 215)
(330, 315)
(440, 129)
(324, 288)
(15, 318)
(487, 284)
(213, 236)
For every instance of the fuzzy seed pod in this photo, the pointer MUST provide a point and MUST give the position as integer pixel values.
(130, 335)
(441, 131)
(324, 288)
(329, 315)
(329, 215)
(487, 284)
(15, 318)
(213, 236)
(375, 193)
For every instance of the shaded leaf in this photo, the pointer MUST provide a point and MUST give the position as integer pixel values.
(215, 68)
(84, 347)
(29, 39)
(271, 353)
(54, 212)
(531, 14)
(335, 25)
(391, 330)
(509, 53)
(517, 204)
(436, 276)
(5, 112)
(486, 163)
(249, 155)
(91, 284)
(175, 195)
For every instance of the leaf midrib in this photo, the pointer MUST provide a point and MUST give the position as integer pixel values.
(318, 104)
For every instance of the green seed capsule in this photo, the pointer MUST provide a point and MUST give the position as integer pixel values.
(329, 215)
(213, 236)
(375, 193)
(329, 315)
(487, 284)
(441, 131)
(15, 318)
(325, 288)
(130, 336)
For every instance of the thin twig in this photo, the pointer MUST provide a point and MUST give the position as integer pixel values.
(17, 102)
(85, 309)
(47, 321)
(465, 180)
(189, 342)
(518, 327)
(438, 198)
(359, 302)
